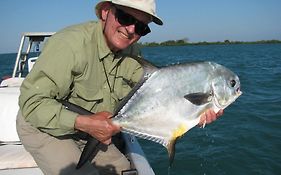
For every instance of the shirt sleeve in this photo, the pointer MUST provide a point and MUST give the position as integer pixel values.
(50, 79)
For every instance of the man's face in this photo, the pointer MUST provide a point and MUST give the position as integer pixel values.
(120, 36)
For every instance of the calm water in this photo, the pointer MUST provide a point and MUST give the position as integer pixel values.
(247, 139)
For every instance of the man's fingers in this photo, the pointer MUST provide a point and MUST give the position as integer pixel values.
(202, 121)
(106, 142)
(209, 116)
(220, 113)
(105, 114)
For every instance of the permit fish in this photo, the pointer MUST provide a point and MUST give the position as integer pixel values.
(168, 101)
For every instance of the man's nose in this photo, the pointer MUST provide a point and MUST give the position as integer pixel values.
(131, 28)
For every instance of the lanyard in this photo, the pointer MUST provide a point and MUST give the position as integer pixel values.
(111, 89)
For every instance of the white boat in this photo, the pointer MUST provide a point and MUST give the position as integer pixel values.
(14, 159)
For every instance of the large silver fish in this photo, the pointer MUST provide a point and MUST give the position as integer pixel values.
(169, 101)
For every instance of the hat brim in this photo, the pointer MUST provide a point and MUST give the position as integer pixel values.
(155, 18)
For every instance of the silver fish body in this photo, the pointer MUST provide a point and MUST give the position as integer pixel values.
(170, 100)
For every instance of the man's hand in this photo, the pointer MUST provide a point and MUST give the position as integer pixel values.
(98, 125)
(209, 116)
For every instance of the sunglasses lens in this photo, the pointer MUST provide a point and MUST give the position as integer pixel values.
(124, 18)
(127, 19)
(142, 29)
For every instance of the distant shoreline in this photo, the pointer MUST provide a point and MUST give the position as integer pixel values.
(184, 42)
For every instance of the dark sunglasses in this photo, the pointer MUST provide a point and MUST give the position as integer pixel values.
(126, 19)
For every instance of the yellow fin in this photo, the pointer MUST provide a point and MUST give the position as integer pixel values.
(179, 131)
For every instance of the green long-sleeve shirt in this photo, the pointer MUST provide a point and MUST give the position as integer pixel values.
(75, 63)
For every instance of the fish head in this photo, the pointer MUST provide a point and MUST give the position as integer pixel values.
(225, 86)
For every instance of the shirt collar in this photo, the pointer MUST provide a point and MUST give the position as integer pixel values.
(103, 49)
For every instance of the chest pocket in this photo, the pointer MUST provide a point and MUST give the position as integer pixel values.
(123, 87)
(87, 98)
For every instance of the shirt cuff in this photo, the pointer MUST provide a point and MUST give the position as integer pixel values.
(67, 121)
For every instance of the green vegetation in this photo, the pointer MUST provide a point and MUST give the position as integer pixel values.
(184, 42)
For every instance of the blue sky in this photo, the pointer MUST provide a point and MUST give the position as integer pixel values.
(197, 20)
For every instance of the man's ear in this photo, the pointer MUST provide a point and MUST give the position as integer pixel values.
(104, 10)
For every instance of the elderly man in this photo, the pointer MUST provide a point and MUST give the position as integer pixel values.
(84, 65)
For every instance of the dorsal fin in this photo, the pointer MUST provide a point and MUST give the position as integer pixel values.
(148, 70)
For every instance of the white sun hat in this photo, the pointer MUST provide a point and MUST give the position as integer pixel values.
(147, 6)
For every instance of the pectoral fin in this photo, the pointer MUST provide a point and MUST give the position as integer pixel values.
(199, 98)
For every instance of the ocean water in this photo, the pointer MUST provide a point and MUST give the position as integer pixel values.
(247, 138)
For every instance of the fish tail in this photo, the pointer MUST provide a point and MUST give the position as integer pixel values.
(92, 144)
(171, 150)
(88, 151)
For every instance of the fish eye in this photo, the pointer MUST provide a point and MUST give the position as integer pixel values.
(232, 83)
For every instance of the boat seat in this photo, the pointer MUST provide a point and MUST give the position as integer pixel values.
(8, 114)
(12, 82)
(15, 156)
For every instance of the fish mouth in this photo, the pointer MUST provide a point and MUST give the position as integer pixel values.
(223, 106)
(238, 93)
